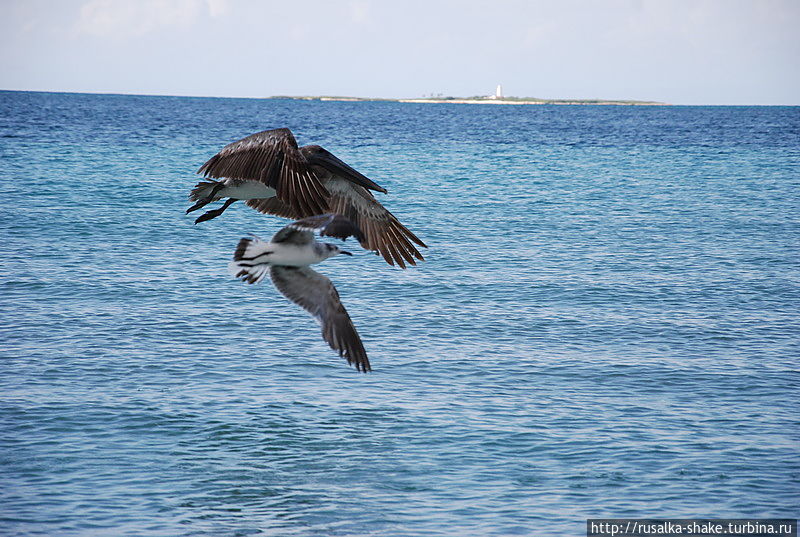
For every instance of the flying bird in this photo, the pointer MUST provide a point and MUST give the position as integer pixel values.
(286, 258)
(275, 176)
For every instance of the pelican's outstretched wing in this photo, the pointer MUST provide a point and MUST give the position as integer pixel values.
(383, 232)
(316, 294)
(273, 206)
(273, 158)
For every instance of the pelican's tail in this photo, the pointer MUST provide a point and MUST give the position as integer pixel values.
(251, 260)
(205, 191)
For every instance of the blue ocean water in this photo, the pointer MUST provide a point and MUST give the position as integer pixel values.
(606, 324)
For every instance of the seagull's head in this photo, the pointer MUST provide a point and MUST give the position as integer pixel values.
(335, 250)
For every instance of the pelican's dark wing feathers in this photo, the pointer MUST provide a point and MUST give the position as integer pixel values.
(316, 294)
(273, 206)
(383, 233)
(273, 158)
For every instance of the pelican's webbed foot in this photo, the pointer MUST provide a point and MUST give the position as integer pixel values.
(215, 213)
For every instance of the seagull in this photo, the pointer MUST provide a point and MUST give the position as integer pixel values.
(286, 258)
(275, 176)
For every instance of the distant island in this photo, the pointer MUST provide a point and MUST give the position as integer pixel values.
(476, 100)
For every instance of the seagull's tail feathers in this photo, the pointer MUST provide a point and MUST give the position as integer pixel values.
(251, 260)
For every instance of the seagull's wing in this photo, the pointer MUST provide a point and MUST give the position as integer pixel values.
(383, 233)
(328, 225)
(273, 158)
(316, 294)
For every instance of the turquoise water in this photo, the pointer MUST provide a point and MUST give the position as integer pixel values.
(606, 324)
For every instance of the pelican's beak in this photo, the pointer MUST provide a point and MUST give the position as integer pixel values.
(337, 166)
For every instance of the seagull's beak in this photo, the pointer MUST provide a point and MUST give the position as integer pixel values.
(337, 166)
(345, 252)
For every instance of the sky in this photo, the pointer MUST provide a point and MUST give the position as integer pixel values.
(674, 51)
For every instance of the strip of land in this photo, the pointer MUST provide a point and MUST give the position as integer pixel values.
(477, 100)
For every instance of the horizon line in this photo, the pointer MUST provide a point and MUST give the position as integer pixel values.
(392, 99)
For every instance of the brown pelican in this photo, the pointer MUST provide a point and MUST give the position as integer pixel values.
(275, 176)
(286, 258)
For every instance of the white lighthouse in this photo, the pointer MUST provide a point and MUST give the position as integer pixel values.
(498, 94)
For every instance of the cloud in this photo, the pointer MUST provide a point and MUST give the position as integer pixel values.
(359, 11)
(124, 18)
(217, 8)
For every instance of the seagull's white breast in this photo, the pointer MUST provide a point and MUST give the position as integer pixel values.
(292, 255)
